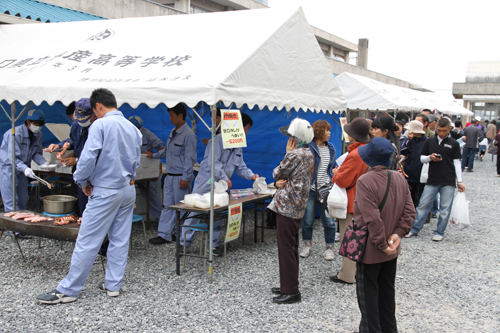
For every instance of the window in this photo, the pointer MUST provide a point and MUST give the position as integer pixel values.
(479, 104)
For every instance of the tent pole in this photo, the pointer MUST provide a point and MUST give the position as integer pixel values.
(13, 141)
(212, 180)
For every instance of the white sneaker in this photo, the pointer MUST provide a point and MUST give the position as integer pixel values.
(109, 292)
(306, 251)
(337, 237)
(410, 234)
(329, 255)
(437, 238)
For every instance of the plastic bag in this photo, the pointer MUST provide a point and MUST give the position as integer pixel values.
(339, 213)
(189, 199)
(220, 199)
(220, 186)
(424, 174)
(337, 202)
(459, 214)
(260, 186)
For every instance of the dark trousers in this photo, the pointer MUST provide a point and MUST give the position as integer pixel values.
(376, 297)
(498, 165)
(82, 201)
(288, 253)
(416, 190)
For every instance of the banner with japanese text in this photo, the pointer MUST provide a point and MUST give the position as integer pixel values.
(234, 222)
(233, 134)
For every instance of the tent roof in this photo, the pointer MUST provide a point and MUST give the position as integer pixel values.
(367, 94)
(260, 57)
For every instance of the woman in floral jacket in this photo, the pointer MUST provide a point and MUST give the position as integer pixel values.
(293, 180)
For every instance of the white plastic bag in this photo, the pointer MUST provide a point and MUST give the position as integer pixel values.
(339, 213)
(424, 174)
(189, 199)
(260, 186)
(337, 202)
(459, 214)
(220, 199)
(220, 186)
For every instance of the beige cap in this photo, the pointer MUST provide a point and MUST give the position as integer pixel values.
(415, 126)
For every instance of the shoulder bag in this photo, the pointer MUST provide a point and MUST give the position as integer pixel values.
(354, 242)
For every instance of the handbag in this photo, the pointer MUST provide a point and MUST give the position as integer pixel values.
(354, 242)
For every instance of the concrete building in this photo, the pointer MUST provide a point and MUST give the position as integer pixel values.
(336, 50)
(481, 89)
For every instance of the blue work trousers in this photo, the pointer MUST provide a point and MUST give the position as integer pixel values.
(446, 192)
(308, 221)
(109, 211)
(172, 195)
(6, 189)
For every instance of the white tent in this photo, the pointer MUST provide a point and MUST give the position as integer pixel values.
(363, 93)
(259, 57)
(256, 57)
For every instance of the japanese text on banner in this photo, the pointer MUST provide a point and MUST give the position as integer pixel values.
(233, 135)
(234, 222)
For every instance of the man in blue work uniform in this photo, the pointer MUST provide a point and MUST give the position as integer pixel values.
(28, 146)
(105, 172)
(227, 161)
(180, 153)
(83, 117)
(150, 143)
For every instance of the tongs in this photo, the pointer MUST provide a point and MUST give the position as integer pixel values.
(44, 182)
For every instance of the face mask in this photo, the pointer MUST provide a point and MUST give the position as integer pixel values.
(85, 124)
(35, 129)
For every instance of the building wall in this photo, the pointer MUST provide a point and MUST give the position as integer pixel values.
(339, 67)
(116, 8)
(475, 88)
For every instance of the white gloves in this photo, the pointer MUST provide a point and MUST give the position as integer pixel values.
(28, 172)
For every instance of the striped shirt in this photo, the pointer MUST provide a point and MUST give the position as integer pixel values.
(323, 177)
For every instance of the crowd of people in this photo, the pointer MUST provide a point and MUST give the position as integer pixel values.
(397, 176)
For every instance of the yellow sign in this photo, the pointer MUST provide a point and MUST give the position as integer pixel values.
(234, 222)
(233, 135)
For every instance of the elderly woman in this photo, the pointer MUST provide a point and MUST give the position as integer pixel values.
(346, 177)
(387, 223)
(324, 161)
(293, 180)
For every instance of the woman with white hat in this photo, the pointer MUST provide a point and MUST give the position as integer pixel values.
(413, 166)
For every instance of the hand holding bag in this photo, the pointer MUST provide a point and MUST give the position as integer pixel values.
(354, 243)
(337, 202)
